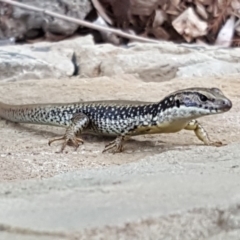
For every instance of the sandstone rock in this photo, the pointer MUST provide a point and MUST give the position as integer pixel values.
(27, 64)
(80, 56)
(209, 67)
(21, 23)
(40, 60)
(157, 62)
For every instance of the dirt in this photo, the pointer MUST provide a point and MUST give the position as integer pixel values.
(24, 150)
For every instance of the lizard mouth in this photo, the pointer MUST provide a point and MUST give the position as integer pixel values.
(226, 105)
(220, 107)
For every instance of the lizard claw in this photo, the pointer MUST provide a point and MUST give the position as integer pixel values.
(116, 145)
(217, 144)
(67, 141)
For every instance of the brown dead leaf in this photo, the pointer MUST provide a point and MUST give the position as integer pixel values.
(219, 15)
(159, 33)
(201, 10)
(237, 27)
(159, 19)
(236, 41)
(143, 7)
(175, 2)
(206, 2)
(101, 11)
(189, 25)
(173, 10)
(225, 35)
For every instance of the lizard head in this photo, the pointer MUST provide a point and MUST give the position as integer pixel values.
(197, 102)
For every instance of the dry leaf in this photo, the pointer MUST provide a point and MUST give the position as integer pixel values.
(215, 10)
(189, 25)
(101, 11)
(235, 4)
(237, 27)
(206, 2)
(220, 17)
(236, 42)
(175, 2)
(226, 33)
(201, 11)
(158, 33)
(159, 19)
(173, 10)
(107, 36)
(200, 20)
(201, 42)
(143, 7)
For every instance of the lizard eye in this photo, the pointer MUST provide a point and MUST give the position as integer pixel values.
(203, 98)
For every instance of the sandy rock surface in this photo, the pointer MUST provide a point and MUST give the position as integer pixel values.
(81, 57)
(165, 186)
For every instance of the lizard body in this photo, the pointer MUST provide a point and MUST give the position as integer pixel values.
(123, 119)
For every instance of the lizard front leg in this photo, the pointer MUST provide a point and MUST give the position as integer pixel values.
(77, 124)
(201, 133)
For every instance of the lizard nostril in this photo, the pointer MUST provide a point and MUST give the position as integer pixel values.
(227, 103)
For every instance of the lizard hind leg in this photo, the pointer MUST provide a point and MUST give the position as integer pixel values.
(116, 145)
(77, 124)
